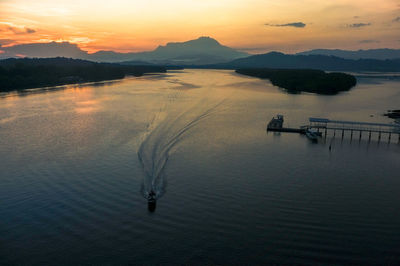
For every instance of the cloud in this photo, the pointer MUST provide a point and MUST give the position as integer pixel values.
(358, 25)
(396, 19)
(29, 30)
(292, 24)
(369, 41)
(18, 31)
(5, 42)
(8, 27)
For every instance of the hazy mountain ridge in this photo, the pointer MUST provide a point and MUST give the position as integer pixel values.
(209, 53)
(380, 54)
(204, 50)
(323, 62)
(43, 50)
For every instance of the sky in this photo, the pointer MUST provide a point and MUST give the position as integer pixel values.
(253, 26)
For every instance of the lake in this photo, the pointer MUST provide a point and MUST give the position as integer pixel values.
(78, 161)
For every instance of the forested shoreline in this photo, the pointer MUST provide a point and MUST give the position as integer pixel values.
(307, 80)
(26, 73)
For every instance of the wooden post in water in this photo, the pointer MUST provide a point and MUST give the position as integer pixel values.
(390, 135)
(369, 138)
(334, 134)
(325, 132)
(360, 135)
(379, 137)
(342, 133)
(351, 134)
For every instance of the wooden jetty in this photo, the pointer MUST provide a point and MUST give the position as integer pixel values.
(353, 127)
(323, 125)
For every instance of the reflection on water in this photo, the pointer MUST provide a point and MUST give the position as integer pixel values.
(76, 163)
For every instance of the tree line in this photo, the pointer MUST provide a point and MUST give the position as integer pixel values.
(25, 73)
(308, 80)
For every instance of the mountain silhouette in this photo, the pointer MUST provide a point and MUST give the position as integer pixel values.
(380, 54)
(207, 52)
(323, 62)
(204, 50)
(44, 50)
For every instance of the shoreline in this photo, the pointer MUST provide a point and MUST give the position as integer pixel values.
(4, 94)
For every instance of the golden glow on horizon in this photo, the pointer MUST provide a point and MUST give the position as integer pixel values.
(126, 26)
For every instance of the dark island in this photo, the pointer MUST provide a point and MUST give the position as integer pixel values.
(26, 73)
(308, 80)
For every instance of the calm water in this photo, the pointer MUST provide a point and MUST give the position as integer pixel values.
(75, 163)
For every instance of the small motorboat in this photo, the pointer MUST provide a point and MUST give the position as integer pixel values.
(312, 134)
(393, 114)
(151, 201)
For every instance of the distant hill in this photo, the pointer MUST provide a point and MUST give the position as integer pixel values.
(322, 62)
(43, 50)
(380, 54)
(204, 50)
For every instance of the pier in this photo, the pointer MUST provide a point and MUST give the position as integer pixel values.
(354, 128)
(324, 125)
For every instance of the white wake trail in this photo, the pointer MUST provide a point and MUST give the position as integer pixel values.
(165, 131)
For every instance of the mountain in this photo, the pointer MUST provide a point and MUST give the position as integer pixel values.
(380, 54)
(204, 50)
(44, 50)
(322, 62)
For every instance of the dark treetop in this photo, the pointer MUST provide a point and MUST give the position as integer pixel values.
(308, 80)
(17, 74)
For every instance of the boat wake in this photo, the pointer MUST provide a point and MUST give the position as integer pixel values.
(167, 128)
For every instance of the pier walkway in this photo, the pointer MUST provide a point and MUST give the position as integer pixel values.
(325, 124)
(322, 125)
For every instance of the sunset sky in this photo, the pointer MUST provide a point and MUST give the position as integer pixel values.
(250, 25)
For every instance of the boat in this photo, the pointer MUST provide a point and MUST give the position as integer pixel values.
(275, 123)
(312, 134)
(393, 114)
(151, 201)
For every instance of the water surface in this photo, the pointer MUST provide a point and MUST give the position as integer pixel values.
(76, 161)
